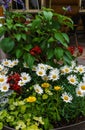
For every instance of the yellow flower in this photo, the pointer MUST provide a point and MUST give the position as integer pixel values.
(45, 85)
(57, 88)
(31, 99)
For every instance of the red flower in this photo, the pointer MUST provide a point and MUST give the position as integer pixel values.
(71, 49)
(80, 49)
(13, 82)
(35, 51)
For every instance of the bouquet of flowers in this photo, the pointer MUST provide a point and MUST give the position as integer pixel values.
(32, 98)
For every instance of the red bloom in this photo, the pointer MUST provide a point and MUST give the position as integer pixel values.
(80, 49)
(13, 82)
(71, 49)
(35, 51)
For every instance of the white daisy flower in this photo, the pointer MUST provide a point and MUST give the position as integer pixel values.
(45, 78)
(79, 92)
(3, 79)
(80, 69)
(65, 70)
(66, 97)
(38, 89)
(15, 62)
(1, 25)
(72, 79)
(4, 87)
(21, 83)
(49, 67)
(42, 66)
(73, 64)
(6, 62)
(41, 72)
(25, 65)
(4, 71)
(34, 68)
(83, 78)
(53, 74)
(1, 67)
(81, 86)
(25, 77)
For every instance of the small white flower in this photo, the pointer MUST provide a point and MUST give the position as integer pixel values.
(79, 92)
(1, 67)
(80, 69)
(3, 79)
(4, 87)
(73, 64)
(6, 62)
(40, 72)
(15, 62)
(81, 86)
(25, 77)
(45, 78)
(41, 66)
(21, 83)
(4, 71)
(25, 65)
(72, 79)
(38, 89)
(65, 70)
(66, 97)
(54, 74)
(1, 25)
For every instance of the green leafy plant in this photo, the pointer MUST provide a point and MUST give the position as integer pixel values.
(41, 40)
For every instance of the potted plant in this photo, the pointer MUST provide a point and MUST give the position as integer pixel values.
(41, 88)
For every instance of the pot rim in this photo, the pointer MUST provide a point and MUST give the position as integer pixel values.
(72, 125)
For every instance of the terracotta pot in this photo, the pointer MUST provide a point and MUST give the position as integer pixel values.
(77, 126)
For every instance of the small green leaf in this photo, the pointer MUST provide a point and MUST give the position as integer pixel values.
(28, 47)
(23, 36)
(19, 53)
(29, 59)
(58, 52)
(7, 45)
(58, 36)
(18, 36)
(66, 37)
(50, 53)
(48, 15)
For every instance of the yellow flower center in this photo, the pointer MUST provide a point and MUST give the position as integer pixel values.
(65, 97)
(6, 63)
(1, 79)
(80, 69)
(57, 88)
(67, 70)
(54, 76)
(45, 85)
(72, 80)
(83, 87)
(40, 72)
(4, 87)
(31, 99)
(25, 78)
(79, 92)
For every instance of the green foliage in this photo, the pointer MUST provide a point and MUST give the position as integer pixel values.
(44, 31)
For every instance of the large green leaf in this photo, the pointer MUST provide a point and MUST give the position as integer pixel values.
(58, 52)
(50, 53)
(7, 45)
(66, 37)
(29, 59)
(19, 53)
(59, 37)
(48, 15)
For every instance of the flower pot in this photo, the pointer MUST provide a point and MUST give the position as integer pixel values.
(8, 128)
(77, 126)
